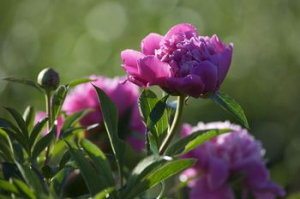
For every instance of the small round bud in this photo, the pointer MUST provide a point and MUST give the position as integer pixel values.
(48, 79)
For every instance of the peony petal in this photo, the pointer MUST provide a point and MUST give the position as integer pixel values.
(208, 74)
(218, 172)
(129, 61)
(153, 71)
(182, 29)
(151, 43)
(189, 85)
(202, 191)
(224, 63)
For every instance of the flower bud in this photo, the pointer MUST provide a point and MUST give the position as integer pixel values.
(48, 79)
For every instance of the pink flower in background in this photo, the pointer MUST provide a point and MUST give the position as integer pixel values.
(181, 62)
(124, 95)
(40, 115)
(226, 158)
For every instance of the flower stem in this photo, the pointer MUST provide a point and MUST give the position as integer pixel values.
(174, 126)
(49, 124)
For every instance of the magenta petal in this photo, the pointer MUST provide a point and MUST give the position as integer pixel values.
(150, 43)
(129, 59)
(208, 74)
(224, 61)
(181, 29)
(218, 172)
(153, 71)
(202, 191)
(189, 85)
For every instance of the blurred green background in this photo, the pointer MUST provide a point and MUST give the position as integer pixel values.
(83, 37)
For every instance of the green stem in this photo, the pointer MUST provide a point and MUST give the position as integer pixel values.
(174, 126)
(49, 124)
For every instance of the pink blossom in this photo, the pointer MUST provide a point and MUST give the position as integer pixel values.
(40, 115)
(226, 158)
(181, 62)
(124, 95)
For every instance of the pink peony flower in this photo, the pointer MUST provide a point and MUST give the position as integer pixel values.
(124, 96)
(40, 115)
(181, 62)
(227, 159)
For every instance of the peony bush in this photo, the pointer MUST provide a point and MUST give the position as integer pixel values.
(101, 137)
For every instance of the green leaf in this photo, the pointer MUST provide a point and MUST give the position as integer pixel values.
(31, 179)
(18, 137)
(80, 81)
(110, 119)
(105, 193)
(25, 82)
(160, 175)
(100, 162)
(6, 146)
(29, 116)
(5, 185)
(228, 103)
(89, 174)
(155, 117)
(188, 143)
(64, 160)
(144, 168)
(20, 121)
(58, 182)
(44, 142)
(57, 100)
(37, 130)
(73, 119)
(23, 189)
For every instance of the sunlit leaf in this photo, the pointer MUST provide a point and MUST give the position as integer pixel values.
(25, 82)
(229, 104)
(58, 100)
(80, 81)
(29, 116)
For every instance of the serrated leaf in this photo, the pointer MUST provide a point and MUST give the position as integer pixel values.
(159, 175)
(229, 104)
(25, 82)
(44, 142)
(20, 121)
(57, 101)
(89, 174)
(100, 162)
(110, 118)
(188, 143)
(37, 130)
(23, 189)
(29, 116)
(80, 81)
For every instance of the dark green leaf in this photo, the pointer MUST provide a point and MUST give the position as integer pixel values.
(29, 116)
(160, 175)
(154, 115)
(20, 121)
(57, 100)
(63, 161)
(73, 119)
(110, 119)
(7, 124)
(58, 182)
(80, 81)
(99, 161)
(228, 103)
(188, 143)
(18, 137)
(89, 174)
(25, 82)
(37, 130)
(44, 142)
(23, 189)
(6, 146)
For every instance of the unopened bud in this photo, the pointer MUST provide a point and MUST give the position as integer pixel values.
(48, 79)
